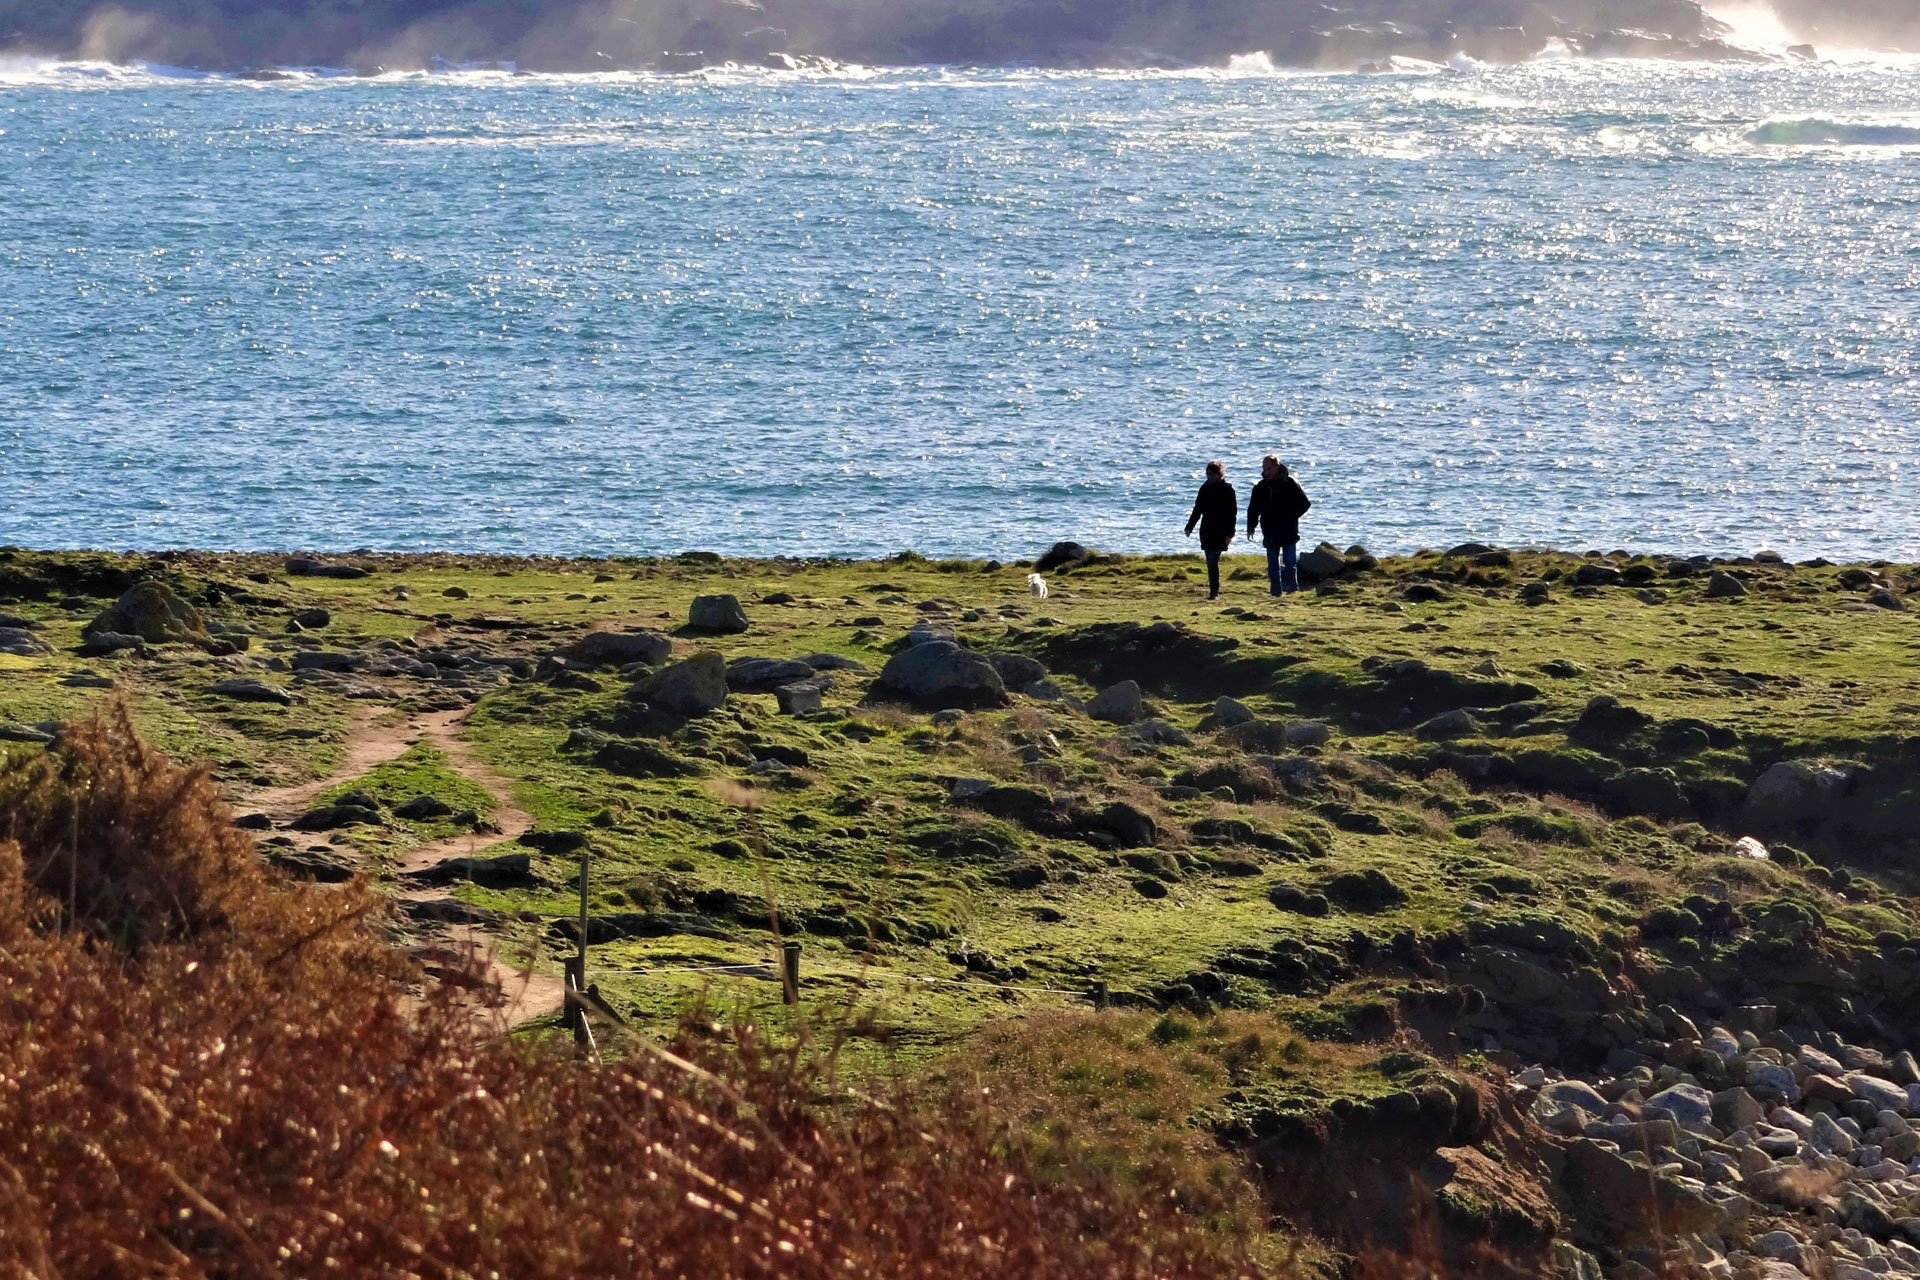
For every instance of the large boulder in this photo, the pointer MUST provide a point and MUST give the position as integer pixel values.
(1119, 704)
(618, 648)
(719, 615)
(153, 612)
(692, 687)
(1793, 792)
(242, 689)
(1322, 563)
(937, 676)
(1724, 586)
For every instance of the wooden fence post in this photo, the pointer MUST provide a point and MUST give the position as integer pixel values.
(790, 972)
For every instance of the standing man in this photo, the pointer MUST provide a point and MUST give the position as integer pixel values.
(1217, 512)
(1278, 502)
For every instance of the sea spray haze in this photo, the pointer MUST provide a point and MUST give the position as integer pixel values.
(1582, 303)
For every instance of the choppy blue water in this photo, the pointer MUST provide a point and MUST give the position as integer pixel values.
(1585, 304)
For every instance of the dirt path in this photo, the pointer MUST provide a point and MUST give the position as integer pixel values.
(512, 992)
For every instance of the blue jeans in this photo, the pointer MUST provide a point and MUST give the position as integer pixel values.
(1283, 567)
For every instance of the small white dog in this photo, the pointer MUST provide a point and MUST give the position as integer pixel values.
(1037, 585)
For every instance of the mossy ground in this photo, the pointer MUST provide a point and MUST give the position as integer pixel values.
(905, 903)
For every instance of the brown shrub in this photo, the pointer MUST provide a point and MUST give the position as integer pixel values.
(244, 1094)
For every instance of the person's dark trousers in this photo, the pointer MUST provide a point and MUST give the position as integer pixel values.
(1213, 572)
(1283, 567)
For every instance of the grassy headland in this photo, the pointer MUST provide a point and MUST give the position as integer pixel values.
(1356, 850)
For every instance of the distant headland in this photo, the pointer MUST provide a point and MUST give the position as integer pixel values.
(587, 35)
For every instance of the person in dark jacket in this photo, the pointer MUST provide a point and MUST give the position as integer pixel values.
(1277, 503)
(1217, 512)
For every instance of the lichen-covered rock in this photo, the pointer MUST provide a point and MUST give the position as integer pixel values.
(939, 675)
(692, 687)
(718, 615)
(1792, 792)
(618, 648)
(151, 611)
(764, 675)
(1118, 704)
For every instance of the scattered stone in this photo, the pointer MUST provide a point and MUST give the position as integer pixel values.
(1321, 564)
(503, 871)
(1562, 669)
(312, 619)
(1118, 704)
(244, 690)
(325, 660)
(1457, 723)
(644, 759)
(21, 643)
(939, 675)
(1148, 887)
(1228, 712)
(618, 648)
(87, 680)
(319, 864)
(104, 643)
(1748, 847)
(691, 687)
(304, 567)
(800, 699)
(1884, 598)
(764, 675)
(39, 735)
(1724, 586)
(423, 809)
(455, 593)
(1289, 897)
(832, 662)
(329, 817)
(717, 615)
(1691, 1105)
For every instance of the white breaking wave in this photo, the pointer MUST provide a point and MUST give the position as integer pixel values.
(1256, 63)
(1815, 132)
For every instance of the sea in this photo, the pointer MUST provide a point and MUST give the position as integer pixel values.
(1592, 304)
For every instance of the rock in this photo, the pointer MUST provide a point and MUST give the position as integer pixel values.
(1228, 712)
(1118, 704)
(21, 643)
(1792, 792)
(1735, 1108)
(1321, 564)
(1062, 555)
(423, 808)
(503, 871)
(1577, 1093)
(1457, 723)
(1148, 887)
(719, 615)
(1048, 691)
(329, 817)
(1619, 1197)
(1723, 586)
(151, 611)
(1883, 598)
(1017, 670)
(924, 632)
(455, 593)
(939, 675)
(1748, 847)
(1883, 1094)
(305, 567)
(764, 675)
(1159, 733)
(312, 619)
(1906, 1070)
(252, 691)
(37, 734)
(253, 822)
(320, 864)
(103, 643)
(1308, 733)
(618, 648)
(692, 687)
(1133, 828)
(325, 660)
(1770, 1080)
(800, 699)
(1691, 1105)
(832, 662)
(1829, 1136)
